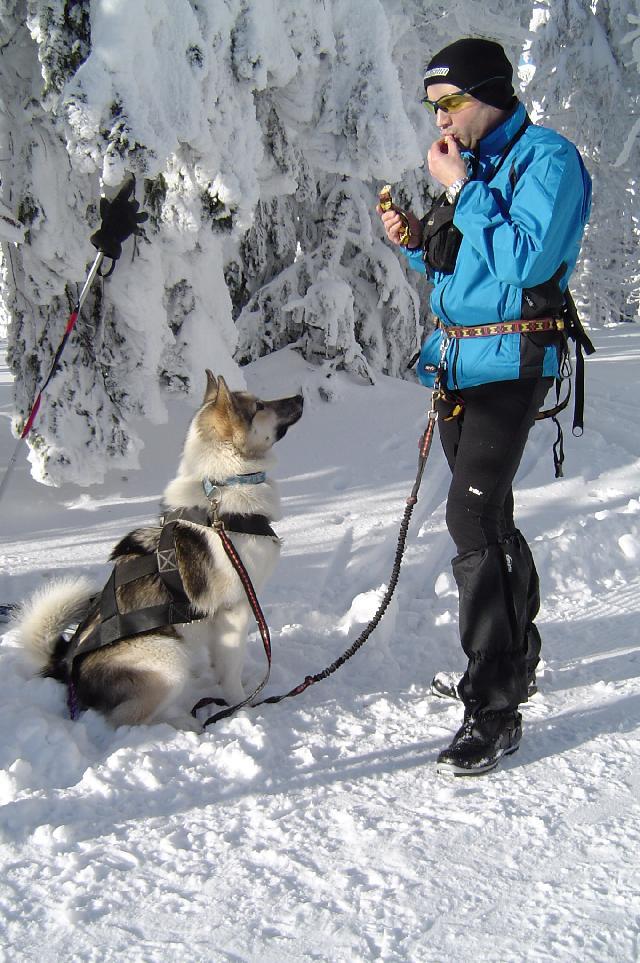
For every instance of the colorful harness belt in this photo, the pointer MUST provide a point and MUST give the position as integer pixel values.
(503, 327)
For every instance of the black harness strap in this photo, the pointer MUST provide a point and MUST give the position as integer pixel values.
(167, 562)
(491, 173)
(573, 330)
(583, 343)
(113, 625)
(247, 525)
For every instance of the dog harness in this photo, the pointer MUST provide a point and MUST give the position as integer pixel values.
(112, 625)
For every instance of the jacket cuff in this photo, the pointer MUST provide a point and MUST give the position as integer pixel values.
(468, 199)
(414, 257)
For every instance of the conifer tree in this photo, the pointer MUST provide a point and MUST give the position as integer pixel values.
(585, 87)
(260, 133)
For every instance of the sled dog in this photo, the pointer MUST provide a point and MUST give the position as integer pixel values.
(141, 676)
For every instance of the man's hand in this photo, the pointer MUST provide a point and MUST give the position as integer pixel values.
(394, 223)
(445, 161)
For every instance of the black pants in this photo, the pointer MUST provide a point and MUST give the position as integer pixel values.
(494, 570)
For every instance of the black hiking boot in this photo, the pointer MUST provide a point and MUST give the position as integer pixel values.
(480, 743)
(445, 685)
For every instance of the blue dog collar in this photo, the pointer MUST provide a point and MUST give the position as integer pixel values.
(254, 478)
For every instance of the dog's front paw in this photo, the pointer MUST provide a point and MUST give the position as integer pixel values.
(233, 694)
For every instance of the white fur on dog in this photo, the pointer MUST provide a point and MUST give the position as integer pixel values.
(149, 673)
(48, 612)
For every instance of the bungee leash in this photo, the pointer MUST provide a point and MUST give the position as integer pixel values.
(425, 446)
(423, 453)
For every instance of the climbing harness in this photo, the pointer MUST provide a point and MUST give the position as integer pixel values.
(569, 327)
(504, 327)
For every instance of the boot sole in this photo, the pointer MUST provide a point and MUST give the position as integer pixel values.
(450, 769)
(439, 694)
(445, 693)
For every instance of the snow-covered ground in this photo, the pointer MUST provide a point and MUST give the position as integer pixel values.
(319, 829)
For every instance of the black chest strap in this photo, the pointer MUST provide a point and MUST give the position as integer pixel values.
(112, 625)
(248, 525)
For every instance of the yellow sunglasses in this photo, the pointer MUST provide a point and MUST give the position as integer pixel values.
(450, 103)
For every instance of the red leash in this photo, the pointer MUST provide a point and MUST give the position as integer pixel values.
(250, 592)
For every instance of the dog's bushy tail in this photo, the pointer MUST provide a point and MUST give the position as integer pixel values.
(40, 620)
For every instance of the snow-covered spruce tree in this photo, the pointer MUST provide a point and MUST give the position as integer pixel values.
(86, 98)
(344, 296)
(240, 121)
(339, 296)
(630, 45)
(260, 132)
(344, 299)
(625, 33)
(586, 87)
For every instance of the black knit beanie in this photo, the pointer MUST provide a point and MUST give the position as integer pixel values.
(471, 61)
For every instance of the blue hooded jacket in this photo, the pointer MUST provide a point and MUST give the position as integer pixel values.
(517, 232)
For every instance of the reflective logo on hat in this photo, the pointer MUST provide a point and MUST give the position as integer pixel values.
(436, 72)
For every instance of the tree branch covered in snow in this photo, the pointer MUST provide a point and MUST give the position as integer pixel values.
(260, 133)
(586, 86)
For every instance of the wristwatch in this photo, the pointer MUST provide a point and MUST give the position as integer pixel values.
(454, 189)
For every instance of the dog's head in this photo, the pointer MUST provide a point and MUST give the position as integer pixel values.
(248, 424)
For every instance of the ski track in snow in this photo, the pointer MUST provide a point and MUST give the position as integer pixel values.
(318, 829)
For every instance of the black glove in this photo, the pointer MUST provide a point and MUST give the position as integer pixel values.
(120, 219)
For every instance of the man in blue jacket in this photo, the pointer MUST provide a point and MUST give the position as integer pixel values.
(499, 247)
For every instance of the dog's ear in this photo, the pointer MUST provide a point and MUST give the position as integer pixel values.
(224, 397)
(211, 392)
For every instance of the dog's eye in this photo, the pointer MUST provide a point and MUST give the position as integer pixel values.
(259, 406)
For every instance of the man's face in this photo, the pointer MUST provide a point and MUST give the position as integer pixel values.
(470, 123)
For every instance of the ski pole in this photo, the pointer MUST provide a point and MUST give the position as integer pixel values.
(73, 317)
(120, 218)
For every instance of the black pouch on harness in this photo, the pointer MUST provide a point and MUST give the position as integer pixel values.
(441, 239)
(544, 299)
